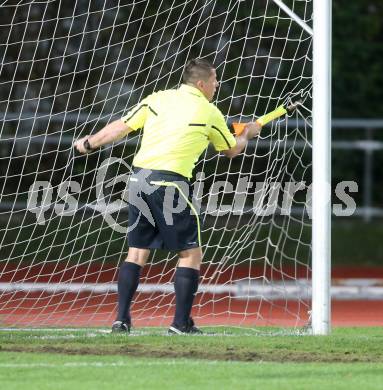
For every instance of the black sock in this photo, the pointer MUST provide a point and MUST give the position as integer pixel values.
(185, 286)
(128, 279)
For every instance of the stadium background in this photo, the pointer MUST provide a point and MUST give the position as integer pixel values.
(245, 358)
(357, 81)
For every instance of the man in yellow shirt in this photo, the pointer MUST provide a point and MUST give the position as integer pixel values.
(178, 126)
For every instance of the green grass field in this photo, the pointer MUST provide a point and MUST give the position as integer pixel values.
(223, 358)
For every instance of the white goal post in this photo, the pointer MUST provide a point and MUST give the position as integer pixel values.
(321, 236)
(70, 67)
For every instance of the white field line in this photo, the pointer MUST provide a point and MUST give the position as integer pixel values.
(81, 331)
(130, 364)
(140, 333)
(342, 289)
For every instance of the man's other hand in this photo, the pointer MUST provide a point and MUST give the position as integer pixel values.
(79, 145)
(253, 129)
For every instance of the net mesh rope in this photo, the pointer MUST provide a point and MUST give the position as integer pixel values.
(67, 69)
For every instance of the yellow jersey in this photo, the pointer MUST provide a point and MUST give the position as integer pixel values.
(178, 126)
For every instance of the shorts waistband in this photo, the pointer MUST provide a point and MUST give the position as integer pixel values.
(157, 173)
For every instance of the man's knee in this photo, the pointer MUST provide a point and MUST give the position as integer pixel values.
(191, 258)
(138, 256)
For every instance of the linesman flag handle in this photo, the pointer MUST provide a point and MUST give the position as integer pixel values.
(264, 119)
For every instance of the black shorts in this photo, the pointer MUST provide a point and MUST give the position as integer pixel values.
(161, 213)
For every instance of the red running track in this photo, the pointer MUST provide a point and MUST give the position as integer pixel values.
(156, 310)
(86, 309)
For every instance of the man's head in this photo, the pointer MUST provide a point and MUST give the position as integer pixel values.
(201, 74)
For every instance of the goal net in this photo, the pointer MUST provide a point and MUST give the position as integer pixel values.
(70, 67)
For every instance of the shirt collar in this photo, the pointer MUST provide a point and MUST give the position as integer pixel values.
(192, 90)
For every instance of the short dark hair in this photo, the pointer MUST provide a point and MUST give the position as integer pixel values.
(197, 69)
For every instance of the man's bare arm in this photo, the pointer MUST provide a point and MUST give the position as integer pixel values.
(251, 130)
(112, 132)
